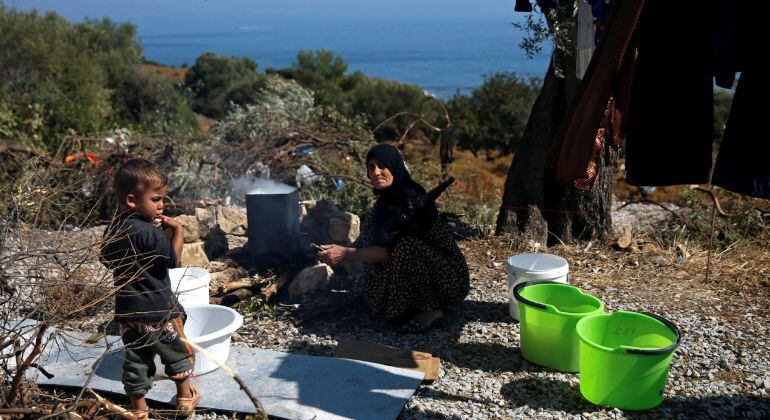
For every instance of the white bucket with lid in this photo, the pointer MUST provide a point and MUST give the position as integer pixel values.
(190, 285)
(534, 267)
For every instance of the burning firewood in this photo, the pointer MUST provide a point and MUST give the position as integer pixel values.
(273, 288)
(236, 296)
(238, 284)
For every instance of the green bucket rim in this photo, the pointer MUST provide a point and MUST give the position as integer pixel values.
(550, 308)
(629, 349)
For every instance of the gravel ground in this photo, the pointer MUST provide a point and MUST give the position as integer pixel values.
(721, 370)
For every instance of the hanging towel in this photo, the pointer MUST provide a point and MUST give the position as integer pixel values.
(598, 112)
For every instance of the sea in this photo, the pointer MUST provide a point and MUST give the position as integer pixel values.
(443, 46)
(442, 58)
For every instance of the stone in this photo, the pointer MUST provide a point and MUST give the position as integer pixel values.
(235, 244)
(310, 279)
(217, 266)
(191, 228)
(216, 243)
(344, 227)
(207, 220)
(194, 255)
(232, 221)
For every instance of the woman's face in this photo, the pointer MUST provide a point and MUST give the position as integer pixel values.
(380, 176)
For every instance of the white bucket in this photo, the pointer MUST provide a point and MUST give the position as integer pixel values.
(535, 267)
(190, 285)
(209, 326)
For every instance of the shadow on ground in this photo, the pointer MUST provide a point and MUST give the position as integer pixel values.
(716, 406)
(548, 394)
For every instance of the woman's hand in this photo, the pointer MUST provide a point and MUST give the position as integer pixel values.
(332, 254)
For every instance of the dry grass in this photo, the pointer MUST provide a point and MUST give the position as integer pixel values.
(654, 273)
(164, 72)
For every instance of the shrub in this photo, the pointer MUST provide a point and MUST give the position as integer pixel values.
(59, 78)
(494, 116)
(217, 81)
(280, 104)
(355, 95)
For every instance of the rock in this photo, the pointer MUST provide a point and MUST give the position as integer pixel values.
(207, 220)
(225, 276)
(216, 243)
(217, 266)
(344, 227)
(305, 207)
(309, 279)
(191, 228)
(194, 255)
(623, 242)
(235, 244)
(231, 221)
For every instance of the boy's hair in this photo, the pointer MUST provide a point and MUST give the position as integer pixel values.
(136, 175)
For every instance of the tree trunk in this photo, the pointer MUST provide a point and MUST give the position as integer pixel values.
(534, 205)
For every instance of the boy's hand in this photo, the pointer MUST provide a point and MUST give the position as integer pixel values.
(170, 223)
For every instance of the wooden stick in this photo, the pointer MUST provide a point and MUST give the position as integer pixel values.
(237, 284)
(711, 238)
(16, 383)
(236, 296)
(273, 289)
(110, 406)
(261, 413)
(30, 410)
(715, 200)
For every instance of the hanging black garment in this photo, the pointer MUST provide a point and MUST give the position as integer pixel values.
(743, 164)
(732, 39)
(670, 117)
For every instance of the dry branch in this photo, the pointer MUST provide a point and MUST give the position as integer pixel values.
(236, 296)
(110, 406)
(238, 284)
(261, 413)
(20, 370)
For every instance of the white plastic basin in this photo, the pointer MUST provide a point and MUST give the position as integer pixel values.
(190, 285)
(534, 267)
(209, 326)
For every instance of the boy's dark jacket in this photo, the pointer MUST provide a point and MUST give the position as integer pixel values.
(139, 256)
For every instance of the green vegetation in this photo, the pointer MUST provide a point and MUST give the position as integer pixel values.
(59, 79)
(723, 100)
(218, 82)
(494, 116)
(353, 95)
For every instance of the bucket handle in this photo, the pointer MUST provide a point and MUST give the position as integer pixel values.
(664, 350)
(522, 299)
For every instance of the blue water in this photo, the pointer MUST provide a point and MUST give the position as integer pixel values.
(439, 45)
(439, 57)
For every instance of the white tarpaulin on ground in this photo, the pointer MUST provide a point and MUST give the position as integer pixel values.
(288, 385)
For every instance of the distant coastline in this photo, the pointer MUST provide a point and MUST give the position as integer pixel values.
(441, 59)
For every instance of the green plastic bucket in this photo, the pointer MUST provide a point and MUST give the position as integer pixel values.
(624, 358)
(549, 312)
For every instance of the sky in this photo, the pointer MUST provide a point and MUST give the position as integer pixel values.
(157, 16)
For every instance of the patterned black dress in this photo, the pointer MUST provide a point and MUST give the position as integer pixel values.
(418, 275)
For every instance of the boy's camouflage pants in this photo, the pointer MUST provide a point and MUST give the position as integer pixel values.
(143, 341)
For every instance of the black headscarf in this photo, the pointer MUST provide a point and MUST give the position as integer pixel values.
(396, 198)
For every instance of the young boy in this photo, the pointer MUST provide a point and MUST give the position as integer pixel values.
(139, 255)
